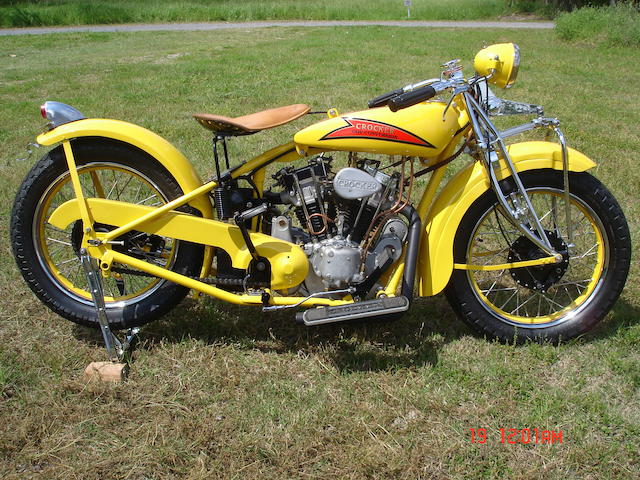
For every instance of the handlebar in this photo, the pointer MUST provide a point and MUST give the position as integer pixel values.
(410, 94)
(382, 100)
(408, 99)
(424, 90)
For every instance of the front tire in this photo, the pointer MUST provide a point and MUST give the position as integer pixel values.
(49, 258)
(549, 302)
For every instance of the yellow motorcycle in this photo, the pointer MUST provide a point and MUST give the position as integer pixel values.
(113, 226)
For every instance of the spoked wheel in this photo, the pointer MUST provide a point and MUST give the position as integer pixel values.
(49, 258)
(547, 302)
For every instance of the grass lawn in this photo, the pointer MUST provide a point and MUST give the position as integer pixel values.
(71, 12)
(218, 391)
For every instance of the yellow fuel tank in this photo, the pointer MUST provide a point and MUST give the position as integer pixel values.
(419, 131)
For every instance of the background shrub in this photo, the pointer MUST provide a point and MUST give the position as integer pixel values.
(616, 25)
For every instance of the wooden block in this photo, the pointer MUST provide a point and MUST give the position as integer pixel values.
(106, 371)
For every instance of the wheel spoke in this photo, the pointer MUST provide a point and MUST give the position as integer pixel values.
(59, 249)
(146, 199)
(74, 259)
(507, 289)
(490, 259)
(508, 299)
(124, 187)
(588, 253)
(113, 187)
(68, 244)
(487, 292)
(543, 217)
(520, 305)
(551, 302)
(574, 282)
(137, 194)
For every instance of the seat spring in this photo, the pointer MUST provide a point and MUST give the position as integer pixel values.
(219, 197)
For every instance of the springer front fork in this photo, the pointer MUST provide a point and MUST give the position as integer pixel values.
(517, 204)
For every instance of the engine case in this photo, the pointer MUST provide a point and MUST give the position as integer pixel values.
(336, 261)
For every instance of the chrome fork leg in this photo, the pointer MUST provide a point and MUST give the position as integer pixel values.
(565, 180)
(116, 348)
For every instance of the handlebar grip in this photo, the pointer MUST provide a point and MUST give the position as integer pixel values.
(382, 100)
(411, 98)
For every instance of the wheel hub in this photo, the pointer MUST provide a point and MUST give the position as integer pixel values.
(540, 277)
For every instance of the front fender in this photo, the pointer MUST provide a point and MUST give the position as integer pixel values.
(435, 262)
(156, 146)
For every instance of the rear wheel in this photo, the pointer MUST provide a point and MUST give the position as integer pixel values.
(49, 260)
(548, 302)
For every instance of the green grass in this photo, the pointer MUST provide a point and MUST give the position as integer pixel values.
(72, 12)
(218, 391)
(619, 25)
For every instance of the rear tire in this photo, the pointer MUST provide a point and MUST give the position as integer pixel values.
(48, 258)
(546, 303)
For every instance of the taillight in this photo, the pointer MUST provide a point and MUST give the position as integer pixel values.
(57, 113)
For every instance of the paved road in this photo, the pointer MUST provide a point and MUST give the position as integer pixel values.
(174, 27)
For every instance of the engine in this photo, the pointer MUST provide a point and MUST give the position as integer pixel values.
(347, 221)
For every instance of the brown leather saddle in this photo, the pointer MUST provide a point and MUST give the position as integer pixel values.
(253, 123)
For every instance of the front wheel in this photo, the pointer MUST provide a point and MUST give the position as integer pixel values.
(548, 302)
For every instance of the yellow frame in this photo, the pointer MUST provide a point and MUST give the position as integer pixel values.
(440, 211)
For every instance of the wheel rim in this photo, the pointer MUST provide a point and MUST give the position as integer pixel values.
(57, 250)
(505, 297)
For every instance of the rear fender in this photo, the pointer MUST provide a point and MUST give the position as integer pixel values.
(156, 146)
(435, 261)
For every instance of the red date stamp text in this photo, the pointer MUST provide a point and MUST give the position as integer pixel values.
(518, 435)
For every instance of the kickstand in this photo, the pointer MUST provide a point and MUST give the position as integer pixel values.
(116, 349)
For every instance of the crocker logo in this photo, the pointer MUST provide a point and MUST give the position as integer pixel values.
(372, 127)
(357, 184)
(375, 130)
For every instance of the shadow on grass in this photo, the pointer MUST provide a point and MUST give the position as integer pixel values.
(413, 340)
(622, 316)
